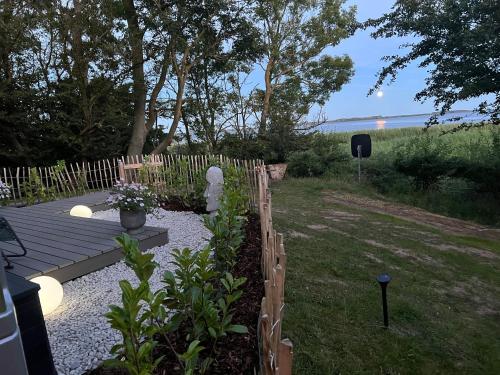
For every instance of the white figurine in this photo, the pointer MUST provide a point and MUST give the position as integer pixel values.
(215, 179)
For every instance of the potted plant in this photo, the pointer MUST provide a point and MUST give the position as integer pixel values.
(134, 201)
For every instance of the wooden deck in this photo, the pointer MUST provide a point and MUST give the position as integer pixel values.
(67, 247)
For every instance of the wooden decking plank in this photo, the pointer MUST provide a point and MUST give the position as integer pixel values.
(91, 199)
(90, 224)
(87, 266)
(30, 247)
(63, 232)
(75, 242)
(70, 255)
(80, 220)
(97, 228)
(58, 245)
(23, 271)
(11, 248)
(65, 246)
(97, 225)
(49, 224)
(35, 264)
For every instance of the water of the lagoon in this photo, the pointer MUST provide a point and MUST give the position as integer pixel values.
(391, 122)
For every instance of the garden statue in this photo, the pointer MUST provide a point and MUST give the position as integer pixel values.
(215, 179)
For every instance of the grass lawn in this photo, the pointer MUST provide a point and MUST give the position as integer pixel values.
(444, 300)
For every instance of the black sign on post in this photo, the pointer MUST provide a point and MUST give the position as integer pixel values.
(365, 142)
(361, 147)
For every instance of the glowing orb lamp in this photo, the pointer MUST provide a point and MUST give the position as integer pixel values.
(50, 293)
(81, 211)
(380, 93)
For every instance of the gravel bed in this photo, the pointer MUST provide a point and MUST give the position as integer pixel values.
(79, 334)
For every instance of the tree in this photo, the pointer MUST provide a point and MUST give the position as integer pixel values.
(166, 39)
(295, 35)
(62, 93)
(18, 77)
(146, 56)
(213, 89)
(201, 32)
(458, 41)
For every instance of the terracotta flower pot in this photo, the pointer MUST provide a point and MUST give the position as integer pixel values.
(276, 171)
(133, 220)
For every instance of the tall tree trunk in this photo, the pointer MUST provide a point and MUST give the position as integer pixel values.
(267, 99)
(139, 130)
(188, 133)
(181, 82)
(80, 69)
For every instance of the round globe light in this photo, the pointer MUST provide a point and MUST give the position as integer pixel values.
(81, 211)
(50, 293)
(380, 94)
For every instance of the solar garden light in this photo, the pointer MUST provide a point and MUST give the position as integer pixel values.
(384, 279)
(50, 294)
(11, 347)
(81, 211)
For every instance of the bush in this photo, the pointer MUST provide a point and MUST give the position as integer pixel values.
(425, 158)
(305, 164)
(196, 301)
(324, 154)
(227, 225)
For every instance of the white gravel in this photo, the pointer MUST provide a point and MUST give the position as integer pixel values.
(79, 334)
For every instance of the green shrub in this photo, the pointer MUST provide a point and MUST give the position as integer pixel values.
(134, 320)
(227, 225)
(324, 154)
(34, 190)
(305, 164)
(198, 296)
(192, 294)
(425, 158)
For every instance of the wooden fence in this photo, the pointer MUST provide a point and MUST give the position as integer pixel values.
(277, 353)
(70, 179)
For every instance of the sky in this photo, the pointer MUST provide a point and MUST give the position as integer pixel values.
(366, 52)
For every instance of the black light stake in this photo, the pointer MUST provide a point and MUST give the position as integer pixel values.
(384, 279)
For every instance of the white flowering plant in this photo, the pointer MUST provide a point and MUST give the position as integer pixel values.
(132, 197)
(4, 192)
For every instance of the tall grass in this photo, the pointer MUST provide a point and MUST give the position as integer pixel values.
(469, 144)
(454, 173)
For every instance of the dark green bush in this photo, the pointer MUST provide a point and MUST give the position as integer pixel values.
(324, 154)
(196, 300)
(424, 158)
(305, 164)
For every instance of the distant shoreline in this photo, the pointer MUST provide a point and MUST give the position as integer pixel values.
(392, 116)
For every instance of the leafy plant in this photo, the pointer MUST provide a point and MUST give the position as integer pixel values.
(305, 164)
(424, 158)
(323, 154)
(190, 357)
(34, 190)
(57, 178)
(192, 293)
(135, 318)
(227, 230)
(195, 299)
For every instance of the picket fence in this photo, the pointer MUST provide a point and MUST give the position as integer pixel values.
(277, 353)
(76, 178)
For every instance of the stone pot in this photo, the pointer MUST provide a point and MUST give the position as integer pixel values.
(133, 220)
(276, 171)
